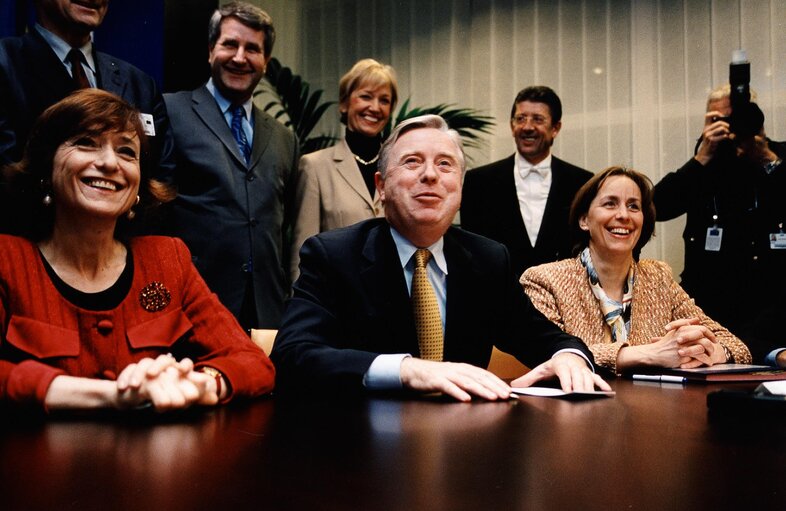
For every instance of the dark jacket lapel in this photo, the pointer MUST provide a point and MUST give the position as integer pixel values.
(549, 225)
(207, 110)
(108, 75)
(262, 132)
(385, 287)
(461, 295)
(46, 68)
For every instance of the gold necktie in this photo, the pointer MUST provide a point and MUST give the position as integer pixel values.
(425, 308)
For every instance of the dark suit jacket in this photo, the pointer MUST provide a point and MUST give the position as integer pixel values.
(351, 304)
(490, 207)
(32, 79)
(231, 215)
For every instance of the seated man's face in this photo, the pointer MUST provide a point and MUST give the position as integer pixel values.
(422, 187)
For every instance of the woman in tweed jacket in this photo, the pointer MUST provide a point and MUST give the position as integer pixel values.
(630, 312)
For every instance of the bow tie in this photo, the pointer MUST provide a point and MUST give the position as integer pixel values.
(541, 169)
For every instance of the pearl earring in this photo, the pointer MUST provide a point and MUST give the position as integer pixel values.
(47, 200)
(131, 214)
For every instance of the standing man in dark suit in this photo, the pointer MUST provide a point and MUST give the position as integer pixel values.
(732, 191)
(236, 169)
(351, 324)
(37, 70)
(523, 201)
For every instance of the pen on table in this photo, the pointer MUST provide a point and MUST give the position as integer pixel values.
(663, 378)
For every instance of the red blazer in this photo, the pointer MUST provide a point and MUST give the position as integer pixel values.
(168, 310)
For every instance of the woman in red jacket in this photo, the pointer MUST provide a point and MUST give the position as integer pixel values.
(90, 318)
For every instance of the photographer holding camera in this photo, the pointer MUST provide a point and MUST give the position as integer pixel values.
(734, 193)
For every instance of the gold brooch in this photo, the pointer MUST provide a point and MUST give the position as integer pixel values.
(154, 297)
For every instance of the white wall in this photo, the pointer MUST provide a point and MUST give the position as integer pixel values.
(632, 74)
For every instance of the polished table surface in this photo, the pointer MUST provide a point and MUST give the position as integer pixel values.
(653, 446)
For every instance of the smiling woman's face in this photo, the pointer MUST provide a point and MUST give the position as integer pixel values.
(614, 218)
(96, 175)
(368, 109)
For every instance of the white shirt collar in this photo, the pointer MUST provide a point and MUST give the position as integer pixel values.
(224, 104)
(524, 168)
(406, 250)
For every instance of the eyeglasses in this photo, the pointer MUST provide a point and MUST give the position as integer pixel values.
(536, 120)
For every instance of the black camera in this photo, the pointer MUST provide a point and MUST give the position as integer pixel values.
(746, 119)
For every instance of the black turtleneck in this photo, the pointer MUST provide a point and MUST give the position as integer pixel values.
(366, 148)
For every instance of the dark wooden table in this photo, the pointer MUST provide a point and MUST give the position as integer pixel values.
(651, 447)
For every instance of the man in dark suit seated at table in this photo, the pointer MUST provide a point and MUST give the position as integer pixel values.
(523, 201)
(351, 324)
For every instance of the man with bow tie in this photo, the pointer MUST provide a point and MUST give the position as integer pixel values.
(523, 200)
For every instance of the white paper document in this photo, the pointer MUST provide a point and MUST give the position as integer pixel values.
(552, 392)
(773, 388)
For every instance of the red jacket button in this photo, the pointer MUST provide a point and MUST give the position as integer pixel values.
(105, 326)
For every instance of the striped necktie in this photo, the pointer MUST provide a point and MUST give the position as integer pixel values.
(238, 114)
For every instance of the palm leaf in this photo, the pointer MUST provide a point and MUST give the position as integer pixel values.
(295, 105)
(471, 124)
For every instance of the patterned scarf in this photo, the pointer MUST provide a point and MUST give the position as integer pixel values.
(616, 314)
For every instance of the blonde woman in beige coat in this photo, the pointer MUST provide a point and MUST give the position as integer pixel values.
(336, 186)
(630, 312)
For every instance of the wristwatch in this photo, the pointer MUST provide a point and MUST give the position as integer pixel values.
(215, 374)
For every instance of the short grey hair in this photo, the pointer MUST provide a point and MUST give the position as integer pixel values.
(249, 15)
(423, 121)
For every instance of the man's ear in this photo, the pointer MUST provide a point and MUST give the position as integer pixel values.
(379, 181)
(555, 129)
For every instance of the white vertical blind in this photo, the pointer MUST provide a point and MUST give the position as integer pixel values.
(633, 75)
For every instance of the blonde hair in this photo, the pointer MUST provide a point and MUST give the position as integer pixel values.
(722, 92)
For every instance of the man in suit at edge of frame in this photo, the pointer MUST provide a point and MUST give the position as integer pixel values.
(523, 201)
(351, 326)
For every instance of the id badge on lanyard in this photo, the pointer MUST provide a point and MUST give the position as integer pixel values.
(778, 239)
(712, 242)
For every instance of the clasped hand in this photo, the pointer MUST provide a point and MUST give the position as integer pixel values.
(165, 383)
(687, 344)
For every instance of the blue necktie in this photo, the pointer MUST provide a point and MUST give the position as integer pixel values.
(240, 136)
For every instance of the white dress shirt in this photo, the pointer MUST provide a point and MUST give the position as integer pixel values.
(384, 372)
(533, 183)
